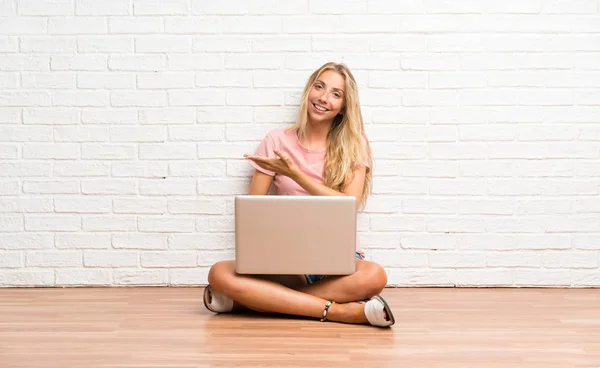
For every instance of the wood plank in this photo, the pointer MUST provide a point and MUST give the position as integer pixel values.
(169, 327)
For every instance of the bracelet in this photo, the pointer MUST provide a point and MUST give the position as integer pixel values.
(327, 305)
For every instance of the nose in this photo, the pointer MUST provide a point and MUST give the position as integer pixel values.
(321, 97)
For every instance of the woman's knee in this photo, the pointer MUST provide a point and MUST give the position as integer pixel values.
(220, 274)
(373, 279)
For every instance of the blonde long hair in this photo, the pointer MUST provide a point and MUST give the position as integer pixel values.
(347, 143)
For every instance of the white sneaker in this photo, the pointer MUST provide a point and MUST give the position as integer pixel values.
(374, 312)
(219, 303)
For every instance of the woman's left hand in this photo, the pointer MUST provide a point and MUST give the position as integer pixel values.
(283, 165)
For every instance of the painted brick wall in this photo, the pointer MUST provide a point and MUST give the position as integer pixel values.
(123, 124)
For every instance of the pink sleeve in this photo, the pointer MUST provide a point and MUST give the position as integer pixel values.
(265, 149)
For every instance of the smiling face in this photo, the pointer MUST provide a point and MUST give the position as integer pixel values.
(326, 97)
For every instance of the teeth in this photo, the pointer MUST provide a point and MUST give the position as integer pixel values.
(320, 108)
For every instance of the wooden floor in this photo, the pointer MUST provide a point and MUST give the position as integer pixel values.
(169, 327)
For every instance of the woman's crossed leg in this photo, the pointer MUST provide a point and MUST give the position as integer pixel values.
(292, 295)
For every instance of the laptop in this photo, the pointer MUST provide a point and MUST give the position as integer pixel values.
(295, 235)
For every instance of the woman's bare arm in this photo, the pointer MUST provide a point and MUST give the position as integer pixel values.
(260, 184)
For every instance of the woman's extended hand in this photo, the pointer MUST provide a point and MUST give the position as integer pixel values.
(283, 165)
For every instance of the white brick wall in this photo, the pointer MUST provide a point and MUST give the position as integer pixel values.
(123, 124)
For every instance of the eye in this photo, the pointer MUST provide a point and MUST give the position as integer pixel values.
(337, 95)
(318, 86)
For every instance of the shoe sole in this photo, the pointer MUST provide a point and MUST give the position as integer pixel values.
(206, 291)
(387, 309)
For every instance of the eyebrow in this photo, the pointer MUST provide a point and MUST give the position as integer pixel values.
(337, 89)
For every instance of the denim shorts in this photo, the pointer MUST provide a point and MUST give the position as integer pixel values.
(311, 279)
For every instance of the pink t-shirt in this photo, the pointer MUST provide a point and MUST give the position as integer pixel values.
(286, 141)
(311, 162)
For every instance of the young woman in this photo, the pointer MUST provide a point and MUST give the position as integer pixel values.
(325, 153)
